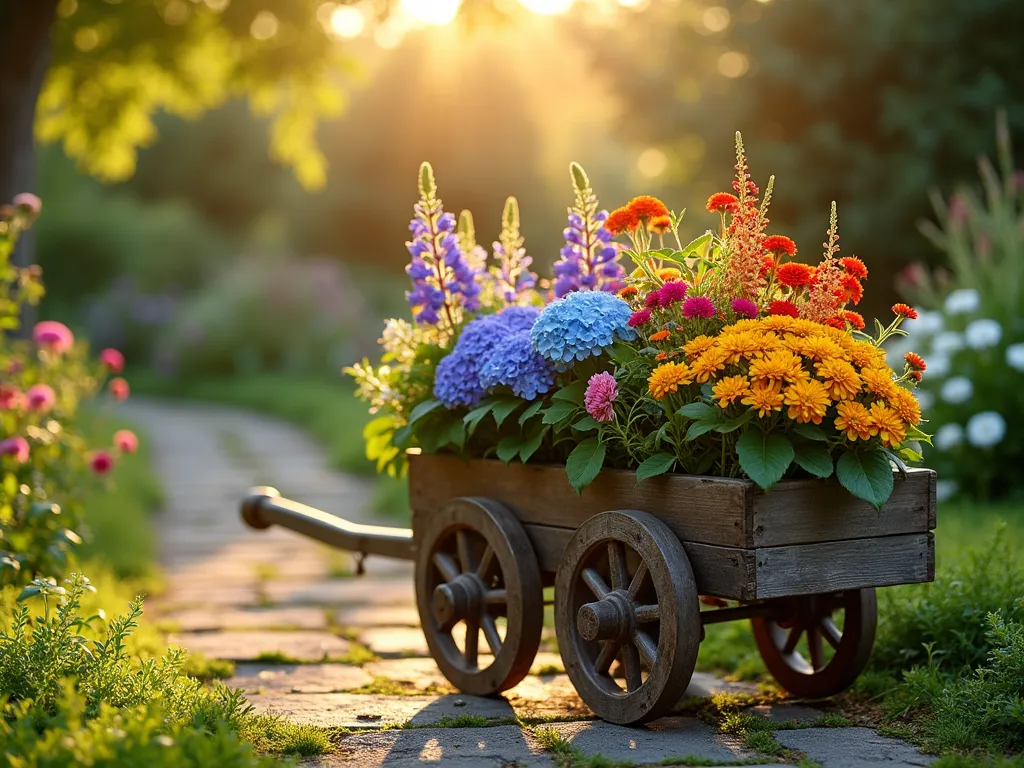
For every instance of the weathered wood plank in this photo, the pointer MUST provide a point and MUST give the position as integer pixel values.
(810, 511)
(701, 509)
(548, 543)
(853, 564)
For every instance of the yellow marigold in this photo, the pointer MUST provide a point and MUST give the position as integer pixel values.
(781, 365)
(791, 342)
(735, 345)
(879, 381)
(669, 273)
(864, 354)
(667, 378)
(778, 323)
(705, 366)
(659, 336)
(841, 380)
(745, 324)
(764, 397)
(820, 348)
(887, 423)
(855, 421)
(807, 400)
(698, 346)
(803, 327)
(906, 405)
(762, 343)
(730, 389)
(842, 338)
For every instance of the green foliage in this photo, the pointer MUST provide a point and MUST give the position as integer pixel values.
(765, 457)
(584, 463)
(867, 475)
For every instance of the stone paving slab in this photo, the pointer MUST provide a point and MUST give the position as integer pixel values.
(210, 619)
(378, 616)
(284, 679)
(248, 646)
(355, 710)
(853, 748)
(340, 592)
(787, 713)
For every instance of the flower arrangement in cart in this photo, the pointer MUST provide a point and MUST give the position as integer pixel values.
(723, 356)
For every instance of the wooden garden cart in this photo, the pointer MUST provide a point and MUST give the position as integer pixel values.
(629, 564)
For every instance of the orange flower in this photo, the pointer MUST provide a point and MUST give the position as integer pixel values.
(647, 207)
(667, 378)
(854, 319)
(808, 400)
(705, 366)
(629, 290)
(839, 377)
(698, 346)
(855, 421)
(767, 265)
(722, 202)
(852, 290)
(794, 274)
(730, 389)
(659, 336)
(916, 376)
(779, 244)
(781, 365)
(621, 220)
(879, 381)
(660, 225)
(888, 424)
(836, 322)
(915, 361)
(661, 356)
(854, 267)
(819, 347)
(905, 310)
(906, 405)
(764, 397)
(783, 308)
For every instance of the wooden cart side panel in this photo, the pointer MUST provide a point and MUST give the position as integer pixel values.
(810, 511)
(702, 509)
(853, 564)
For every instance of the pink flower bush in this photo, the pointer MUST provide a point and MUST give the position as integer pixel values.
(102, 462)
(125, 441)
(41, 398)
(112, 359)
(16, 447)
(698, 306)
(119, 388)
(602, 391)
(54, 336)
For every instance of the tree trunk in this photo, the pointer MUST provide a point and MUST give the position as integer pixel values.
(24, 58)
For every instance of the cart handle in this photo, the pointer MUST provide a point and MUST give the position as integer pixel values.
(264, 507)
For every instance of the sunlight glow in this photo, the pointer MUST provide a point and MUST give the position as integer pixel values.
(652, 162)
(437, 12)
(347, 21)
(547, 7)
(733, 64)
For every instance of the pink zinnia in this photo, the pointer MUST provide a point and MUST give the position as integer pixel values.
(113, 360)
(698, 306)
(673, 292)
(41, 398)
(10, 398)
(652, 300)
(52, 335)
(16, 447)
(119, 388)
(744, 307)
(125, 441)
(639, 318)
(102, 462)
(602, 391)
(28, 203)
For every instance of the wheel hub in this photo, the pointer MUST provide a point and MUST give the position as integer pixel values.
(457, 599)
(609, 618)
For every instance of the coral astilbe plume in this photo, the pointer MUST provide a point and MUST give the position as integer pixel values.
(743, 276)
(824, 296)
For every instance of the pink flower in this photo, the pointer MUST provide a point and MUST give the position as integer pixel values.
(11, 398)
(119, 388)
(602, 391)
(28, 203)
(744, 307)
(41, 398)
(673, 292)
(16, 447)
(639, 318)
(113, 360)
(125, 441)
(101, 463)
(652, 300)
(54, 336)
(698, 306)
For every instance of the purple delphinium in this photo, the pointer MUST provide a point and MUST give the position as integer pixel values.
(443, 282)
(511, 274)
(590, 260)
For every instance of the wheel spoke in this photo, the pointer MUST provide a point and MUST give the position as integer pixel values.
(645, 613)
(817, 651)
(446, 565)
(595, 582)
(631, 662)
(638, 580)
(491, 634)
(609, 651)
(472, 641)
(496, 597)
(831, 632)
(646, 646)
(465, 556)
(485, 563)
(793, 639)
(617, 565)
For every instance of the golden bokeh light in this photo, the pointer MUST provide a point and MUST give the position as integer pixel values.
(264, 26)
(652, 162)
(716, 18)
(547, 7)
(347, 21)
(436, 12)
(733, 64)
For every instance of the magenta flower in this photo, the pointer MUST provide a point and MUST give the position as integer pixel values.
(673, 292)
(652, 300)
(102, 462)
(602, 391)
(119, 388)
(10, 398)
(698, 306)
(744, 307)
(113, 360)
(41, 398)
(54, 336)
(639, 318)
(16, 447)
(125, 441)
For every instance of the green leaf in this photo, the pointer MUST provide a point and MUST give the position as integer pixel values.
(731, 425)
(422, 410)
(764, 457)
(811, 432)
(658, 464)
(378, 426)
(573, 392)
(457, 433)
(622, 353)
(701, 427)
(531, 444)
(697, 410)
(504, 408)
(867, 475)
(531, 409)
(474, 417)
(814, 458)
(584, 463)
(509, 447)
(558, 411)
(586, 424)
(662, 435)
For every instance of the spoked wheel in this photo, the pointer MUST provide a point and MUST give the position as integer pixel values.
(477, 574)
(819, 644)
(625, 591)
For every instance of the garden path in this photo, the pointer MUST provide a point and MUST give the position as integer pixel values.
(321, 646)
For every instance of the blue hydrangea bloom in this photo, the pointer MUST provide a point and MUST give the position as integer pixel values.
(581, 325)
(515, 363)
(457, 381)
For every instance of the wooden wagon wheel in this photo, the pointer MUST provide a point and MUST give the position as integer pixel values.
(829, 670)
(476, 570)
(625, 591)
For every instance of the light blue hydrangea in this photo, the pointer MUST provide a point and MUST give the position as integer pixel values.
(581, 325)
(514, 363)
